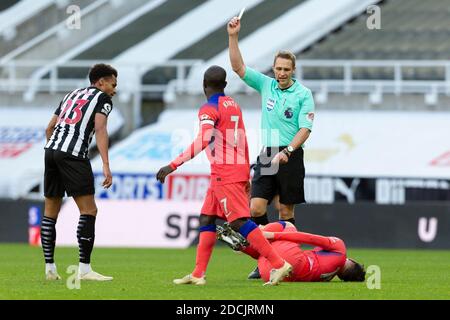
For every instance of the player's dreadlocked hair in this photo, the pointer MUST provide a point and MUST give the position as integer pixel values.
(101, 70)
(355, 273)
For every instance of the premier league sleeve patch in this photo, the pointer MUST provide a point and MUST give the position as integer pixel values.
(106, 109)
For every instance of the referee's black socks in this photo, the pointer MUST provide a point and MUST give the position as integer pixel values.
(291, 220)
(261, 219)
(86, 236)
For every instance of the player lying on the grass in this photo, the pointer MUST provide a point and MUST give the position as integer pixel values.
(222, 129)
(326, 260)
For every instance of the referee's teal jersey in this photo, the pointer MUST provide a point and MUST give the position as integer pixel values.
(284, 111)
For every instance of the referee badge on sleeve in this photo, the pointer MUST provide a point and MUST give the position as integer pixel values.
(270, 104)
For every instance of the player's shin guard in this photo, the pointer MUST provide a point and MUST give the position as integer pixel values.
(48, 238)
(207, 240)
(86, 236)
(256, 238)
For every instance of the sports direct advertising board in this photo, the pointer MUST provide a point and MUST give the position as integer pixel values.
(136, 223)
(174, 224)
(384, 157)
(357, 158)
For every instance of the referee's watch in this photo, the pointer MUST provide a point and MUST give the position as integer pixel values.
(288, 150)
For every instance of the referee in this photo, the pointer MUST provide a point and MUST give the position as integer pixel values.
(286, 123)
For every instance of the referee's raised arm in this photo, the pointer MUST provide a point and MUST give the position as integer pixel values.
(237, 62)
(287, 113)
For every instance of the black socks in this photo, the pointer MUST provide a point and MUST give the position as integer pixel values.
(48, 238)
(86, 236)
(261, 220)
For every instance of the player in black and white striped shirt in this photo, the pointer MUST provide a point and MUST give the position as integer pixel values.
(76, 119)
(80, 114)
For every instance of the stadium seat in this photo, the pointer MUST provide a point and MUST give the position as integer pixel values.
(215, 42)
(410, 30)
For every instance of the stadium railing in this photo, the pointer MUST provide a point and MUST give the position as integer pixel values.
(378, 83)
(384, 77)
(59, 28)
(12, 81)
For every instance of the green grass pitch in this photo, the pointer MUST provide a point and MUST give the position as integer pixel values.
(148, 274)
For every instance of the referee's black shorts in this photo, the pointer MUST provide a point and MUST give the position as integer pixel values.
(65, 173)
(286, 180)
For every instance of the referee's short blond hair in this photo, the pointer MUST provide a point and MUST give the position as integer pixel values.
(285, 55)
